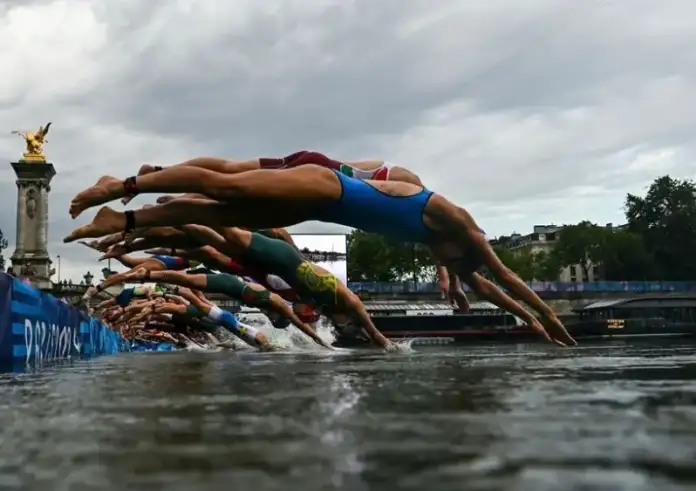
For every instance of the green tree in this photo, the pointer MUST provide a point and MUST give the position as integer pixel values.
(665, 219)
(546, 266)
(540, 266)
(368, 258)
(411, 261)
(520, 261)
(372, 257)
(579, 244)
(623, 257)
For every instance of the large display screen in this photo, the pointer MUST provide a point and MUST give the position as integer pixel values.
(326, 250)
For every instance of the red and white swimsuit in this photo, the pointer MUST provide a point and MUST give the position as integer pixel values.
(305, 157)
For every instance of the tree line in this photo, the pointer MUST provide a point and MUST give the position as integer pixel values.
(656, 243)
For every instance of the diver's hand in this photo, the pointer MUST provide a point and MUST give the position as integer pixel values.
(459, 300)
(558, 332)
(391, 347)
(444, 285)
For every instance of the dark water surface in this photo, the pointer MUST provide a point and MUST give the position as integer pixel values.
(604, 417)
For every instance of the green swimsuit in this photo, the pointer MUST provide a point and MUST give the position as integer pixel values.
(234, 287)
(281, 259)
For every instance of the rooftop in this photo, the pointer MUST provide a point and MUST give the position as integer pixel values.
(643, 302)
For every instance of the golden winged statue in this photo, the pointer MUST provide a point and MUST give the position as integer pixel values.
(34, 141)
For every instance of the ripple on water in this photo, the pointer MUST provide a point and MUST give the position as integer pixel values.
(520, 417)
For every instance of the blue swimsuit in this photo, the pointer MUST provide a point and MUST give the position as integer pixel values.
(366, 208)
(126, 295)
(173, 263)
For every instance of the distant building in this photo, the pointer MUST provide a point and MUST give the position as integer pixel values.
(543, 239)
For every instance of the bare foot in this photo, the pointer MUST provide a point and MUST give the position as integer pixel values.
(106, 221)
(106, 189)
(110, 240)
(114, 251)
(146, 169)
(165, 199)
(92, 244)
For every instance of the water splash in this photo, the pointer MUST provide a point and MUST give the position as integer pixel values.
(291, 338)
(403, 346)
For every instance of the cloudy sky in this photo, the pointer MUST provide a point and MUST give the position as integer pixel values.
(525, 112)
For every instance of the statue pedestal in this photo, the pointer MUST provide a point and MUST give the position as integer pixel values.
(30, 258)
(28, 158)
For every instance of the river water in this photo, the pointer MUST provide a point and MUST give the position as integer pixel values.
(610, 416)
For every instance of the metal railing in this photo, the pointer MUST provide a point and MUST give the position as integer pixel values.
(538, 286)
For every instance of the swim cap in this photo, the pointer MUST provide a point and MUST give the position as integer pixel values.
(280, 323)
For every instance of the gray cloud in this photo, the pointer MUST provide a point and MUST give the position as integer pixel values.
(525, 112)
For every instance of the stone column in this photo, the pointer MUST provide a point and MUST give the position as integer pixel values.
(31, 252)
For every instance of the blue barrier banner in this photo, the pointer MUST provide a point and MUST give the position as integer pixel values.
(35, 326)
(5, 324)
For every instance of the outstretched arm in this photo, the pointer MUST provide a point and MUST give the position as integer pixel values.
(163, 241)
(456, 293)
(105, 304)
(200, 296)
(211, 255)
(482, 253)
(520, 290)
(176, 299)
(112, 280)
(205, 235)
(357, 309)
(199, 303)
(490, 291)
(198, 281)
(442, 275)
(170, 308)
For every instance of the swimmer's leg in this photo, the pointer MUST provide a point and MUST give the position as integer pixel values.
(315, 158)
(308, 182)
(179, 212)
(223, 166)
(149, 264)
(282, 163)
(195, 281)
